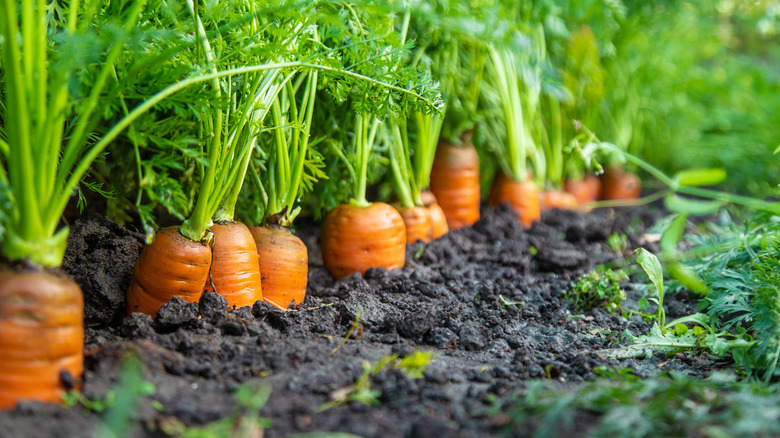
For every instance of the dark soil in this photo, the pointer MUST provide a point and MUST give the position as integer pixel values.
(448, 299)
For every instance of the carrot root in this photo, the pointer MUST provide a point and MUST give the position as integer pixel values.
(417, 221)
(522, 196)
(172, 265)
(284, 265)
(550, 199)
(617, 184)
(355, 239)
(455, 183)
(585, 190)
(41, 335)
(235, 269)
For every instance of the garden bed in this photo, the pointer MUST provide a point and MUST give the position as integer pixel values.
(486, 300)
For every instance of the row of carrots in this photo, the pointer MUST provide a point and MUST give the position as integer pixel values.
(270, 263)
(41, 310)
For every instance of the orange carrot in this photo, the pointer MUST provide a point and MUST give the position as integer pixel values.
(550, 199)
(522, 196)
(455, 182)
(172, 265)
(585, 190)
(618, 184)
(417, 221)
(438, 218)
(357, 238)
(284, 265)
(41, 335)
(235, 270)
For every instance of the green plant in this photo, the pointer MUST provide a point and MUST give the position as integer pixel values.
(663, 406)
(121, 403)
(600, 288)
(617, 242)
(652, 267)
(739, 263)
(362, 390)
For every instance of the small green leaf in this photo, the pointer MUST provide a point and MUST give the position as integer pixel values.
(680, 329)
(693, 206)
(649, 262)
(643, 304)
(700, 177)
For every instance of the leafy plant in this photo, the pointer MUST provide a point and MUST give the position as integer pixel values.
(665, 406)
(600, 288)
(121, 403)
(617, 242)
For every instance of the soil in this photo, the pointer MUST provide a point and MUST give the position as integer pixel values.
(449, 299)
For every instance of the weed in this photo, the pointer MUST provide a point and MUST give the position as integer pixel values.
(617, 242)
(363, 391)
(505, 303)
(600, 288)
(740, 267)
(619, 374)
(119, 412)
(668, 406)
(652, 267)
(244, 422)
(355, 325)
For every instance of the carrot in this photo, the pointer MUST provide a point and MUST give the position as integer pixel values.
(616, 183)
(41, 335)
(172, 265)
(550, 199)
(522, 196)
(438, 219)
(235, 270)
(455, 183)
(356, 238)
(284, 265)
(418, 223)
(585, 190)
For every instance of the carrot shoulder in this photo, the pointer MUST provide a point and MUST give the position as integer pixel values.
(550, 199)
(235, 270)
(585, 190)
(284, 265)
(417, 221)
(355, 239)
(617, 184)
(438, 218)
(455, 183)
(172, 265)
(41, 335)
(522, 196)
